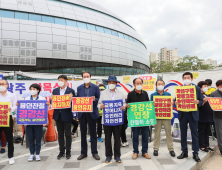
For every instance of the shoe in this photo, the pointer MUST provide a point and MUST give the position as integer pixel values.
(108, 160)
(81, 157)
(172, 153)
(11, 161)
(89, 139)
(205, 150)
(210, 149)
(31, 157)
(146, 156)
(155, 152)
(118, 160)
(68, 155)
(100, 139)
(196, 158)
(2, 150)
(135, 155)
(60, 156)
(96, 156)
(182, 155)
(37, 158)
(125, 144)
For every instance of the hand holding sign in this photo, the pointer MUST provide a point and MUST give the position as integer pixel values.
(93, 98)
(102, 106)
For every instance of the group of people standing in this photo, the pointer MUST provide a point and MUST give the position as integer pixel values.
(199, 121)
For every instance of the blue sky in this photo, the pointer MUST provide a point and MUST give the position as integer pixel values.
(194, 27)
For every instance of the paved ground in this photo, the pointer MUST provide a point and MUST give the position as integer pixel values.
(214, 162)
(49, 161)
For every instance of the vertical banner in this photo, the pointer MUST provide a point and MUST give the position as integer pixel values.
(141, 114)
(82, 104)
(4, 114)
(185, 96)
(61, 101)
(215, 103)
(163, 107)
(32, 112)
(112, 113)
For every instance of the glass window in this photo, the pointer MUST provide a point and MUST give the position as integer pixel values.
(99, 29)
(68, 71)
(35, 17)
(7, 14)
(91, 27)
(92, 70)
(56, 71)
(71, 23)
(129, 71)
(81, 25)
(126, 37)
(100, 71)
(122, 71)
(48, 19)
(116, 71)
(108, 71)
(21, 15)
(79, 70)
(130, 38)
(60, 21)
(115, 33)
(120, 35)
(107, 31)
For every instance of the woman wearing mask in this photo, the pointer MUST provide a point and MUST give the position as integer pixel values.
(112, 93)
(34, 132)
(205, 119)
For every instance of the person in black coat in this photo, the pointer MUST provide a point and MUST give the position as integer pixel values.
(205, 119)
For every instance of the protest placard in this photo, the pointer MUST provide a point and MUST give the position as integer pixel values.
(32, 112)
(4, 114)
(141, 114)
(163, 107)
(82, 104)
(61, 101)
(185, 96)
(215, 103)
(112, 113)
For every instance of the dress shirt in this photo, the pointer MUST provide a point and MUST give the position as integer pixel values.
(40, 98)
(158, 94)
(9, 97)
(86, 92)
(113, 94)
(62, 91)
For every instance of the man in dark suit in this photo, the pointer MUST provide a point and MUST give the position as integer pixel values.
(191, 118)
(63, 118)
(88, 90)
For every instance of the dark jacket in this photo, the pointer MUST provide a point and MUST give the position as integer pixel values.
(66, 114)
(217, 114)
(93, 91)
(205, 112)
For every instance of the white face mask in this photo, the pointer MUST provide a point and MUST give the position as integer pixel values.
(139, 87)
(160, 88)
(2, 88)
(187, 82)
(220, 89)
(111, 86)
(61, 83)
(86, 80)
(33, 92)
(205, 89)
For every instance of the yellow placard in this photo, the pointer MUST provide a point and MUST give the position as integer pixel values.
(4, 114)
(126, 79)
(149, 85)
(185, 96)
(195, 75)
(163, 107)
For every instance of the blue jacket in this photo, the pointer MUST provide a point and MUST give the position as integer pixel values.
(66, 114)
(157, 94)
(195, 114)
(93, 91)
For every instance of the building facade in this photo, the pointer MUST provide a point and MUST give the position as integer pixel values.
(211, 62)
(69, 37)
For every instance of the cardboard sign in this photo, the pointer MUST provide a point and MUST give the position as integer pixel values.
(32, 112)
(163, 107)
(215, 103)
(4, 114)
(185, 96)
(82, 104)
(141, 114)
(61, 101)
(148, 83)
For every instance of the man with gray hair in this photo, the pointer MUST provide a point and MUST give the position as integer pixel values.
(98, 82)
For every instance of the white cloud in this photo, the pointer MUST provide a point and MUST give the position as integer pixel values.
(194, 27)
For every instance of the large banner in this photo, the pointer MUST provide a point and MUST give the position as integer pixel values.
(82, 104)
(141, 114)
(4, 114)
(215, 103)
(163, 107)
(185, 96)
(61, 101)
(32, 112)
(112, 113)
